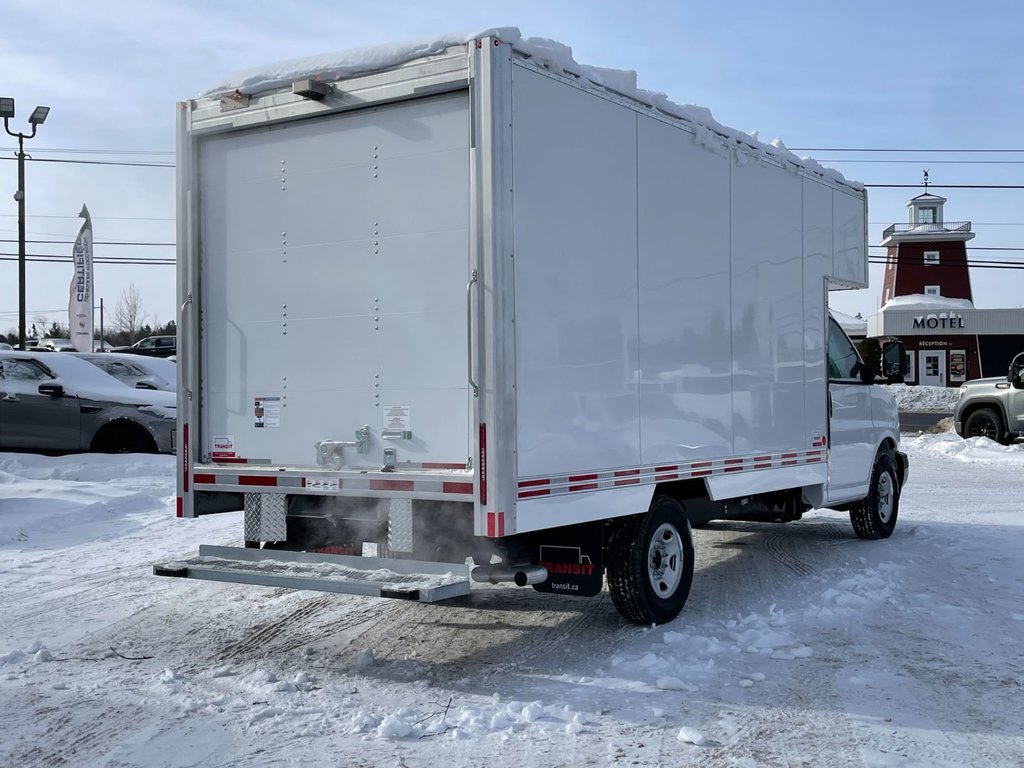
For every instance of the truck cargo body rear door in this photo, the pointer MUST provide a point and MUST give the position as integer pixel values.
(335, 258)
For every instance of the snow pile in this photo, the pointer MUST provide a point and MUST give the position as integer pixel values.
(924, 398)
(549, 54)
(973, 450)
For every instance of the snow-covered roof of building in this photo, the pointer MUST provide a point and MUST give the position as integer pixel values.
(920, 301)
(926, 197)
(854, 326)
(550, 54)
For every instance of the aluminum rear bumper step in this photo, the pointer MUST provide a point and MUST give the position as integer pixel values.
(380, 577)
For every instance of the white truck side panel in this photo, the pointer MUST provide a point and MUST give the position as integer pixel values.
(575, 206)
(768, 301)
(684, 375)
(335, 256)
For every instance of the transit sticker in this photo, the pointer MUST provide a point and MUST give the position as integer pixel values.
(267, 411)
(223, 447)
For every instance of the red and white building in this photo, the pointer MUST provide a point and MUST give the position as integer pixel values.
(927, 302)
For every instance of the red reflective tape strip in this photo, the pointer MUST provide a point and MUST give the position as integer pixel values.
(762, 462)
(733, 465)
(461, 488)
(501, 523)
(257, 480)
(181, 507)
(483, 463)
(700, 468)
(441, 465)
(533, 483)
(392, 485)
(491, 527)
(304, 483)
(578, 482)
(632, 476)
(184, 457)
(204, 478)
(789, 459)
(673, 468)
(531, 494)
(229, 460)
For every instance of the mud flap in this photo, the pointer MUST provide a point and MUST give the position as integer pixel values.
(573, 558)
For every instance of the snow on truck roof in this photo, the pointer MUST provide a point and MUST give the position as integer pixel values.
(549, 54)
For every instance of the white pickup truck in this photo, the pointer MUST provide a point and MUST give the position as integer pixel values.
(559, 320)
(994, 407)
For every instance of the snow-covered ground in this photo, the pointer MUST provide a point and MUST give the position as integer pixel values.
(801, 645)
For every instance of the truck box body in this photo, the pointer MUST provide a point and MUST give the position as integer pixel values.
(476, 277)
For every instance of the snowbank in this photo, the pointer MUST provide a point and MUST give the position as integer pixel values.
(924, 398)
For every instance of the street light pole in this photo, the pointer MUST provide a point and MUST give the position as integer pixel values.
(37, 118)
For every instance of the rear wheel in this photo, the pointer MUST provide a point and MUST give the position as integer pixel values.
(650, 563)
(984, 422)
(875, 516)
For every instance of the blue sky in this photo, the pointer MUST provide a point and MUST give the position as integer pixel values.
(925, 75)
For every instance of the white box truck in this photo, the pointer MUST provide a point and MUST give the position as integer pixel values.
(470, 299)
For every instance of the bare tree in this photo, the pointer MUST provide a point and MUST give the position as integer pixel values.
(128, 314)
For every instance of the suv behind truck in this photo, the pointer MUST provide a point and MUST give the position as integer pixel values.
(993, 408)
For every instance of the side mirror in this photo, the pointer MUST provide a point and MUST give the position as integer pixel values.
(51, 389)
(894, 362)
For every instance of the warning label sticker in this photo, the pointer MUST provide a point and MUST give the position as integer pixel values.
(396, 418)
(267, 411)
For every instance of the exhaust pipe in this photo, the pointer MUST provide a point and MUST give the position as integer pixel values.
(520, 575)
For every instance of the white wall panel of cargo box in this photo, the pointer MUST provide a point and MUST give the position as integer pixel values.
(472, 304)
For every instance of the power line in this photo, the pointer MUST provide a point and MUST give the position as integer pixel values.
(52, 258)
(917, 162)
(55, 150)
(948, 186)
(94, 162)
(95, 218)
(891, 149)
(96, 242)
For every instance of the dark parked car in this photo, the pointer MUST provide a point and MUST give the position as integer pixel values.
(62, 403)
(154, 346)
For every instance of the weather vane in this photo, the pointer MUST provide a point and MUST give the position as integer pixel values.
(926, 181)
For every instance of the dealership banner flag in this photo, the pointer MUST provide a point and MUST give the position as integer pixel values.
(81, 290)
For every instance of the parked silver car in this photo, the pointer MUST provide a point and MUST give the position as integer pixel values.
(135, 370)
(62, 403)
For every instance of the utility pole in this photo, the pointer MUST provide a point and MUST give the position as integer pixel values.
(37, 118)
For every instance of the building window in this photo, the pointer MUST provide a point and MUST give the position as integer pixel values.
(931, 290)
(931, 257)
(926, 215)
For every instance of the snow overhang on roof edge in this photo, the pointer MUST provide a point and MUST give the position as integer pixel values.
(549, 54)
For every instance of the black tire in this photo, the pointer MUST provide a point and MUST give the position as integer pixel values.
(124, 438)
(650, 563)
(875, 516)
(984, 422)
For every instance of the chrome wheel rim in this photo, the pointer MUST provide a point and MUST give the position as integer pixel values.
(885, 497)
(665, 560)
